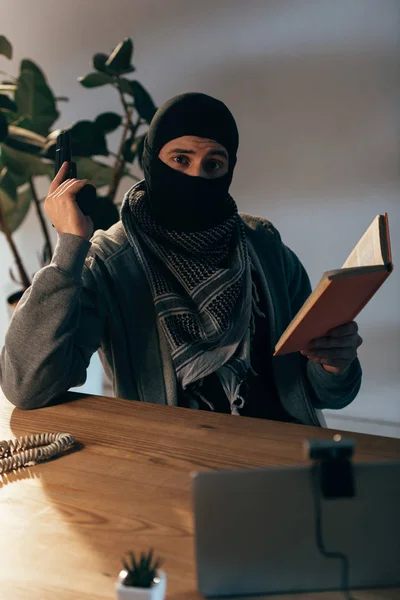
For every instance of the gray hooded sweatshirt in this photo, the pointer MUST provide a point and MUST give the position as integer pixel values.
(95, 296)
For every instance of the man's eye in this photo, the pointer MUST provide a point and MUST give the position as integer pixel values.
(214, 165)
(181, 159)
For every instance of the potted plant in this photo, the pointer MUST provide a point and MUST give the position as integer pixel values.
(141, 579)
(28, 110)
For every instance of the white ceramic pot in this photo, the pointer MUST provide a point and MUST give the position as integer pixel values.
(156, 592)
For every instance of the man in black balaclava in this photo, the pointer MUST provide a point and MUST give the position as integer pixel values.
(188, 220)
(191, 135)
(184, 297)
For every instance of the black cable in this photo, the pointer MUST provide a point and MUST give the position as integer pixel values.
(344, 586)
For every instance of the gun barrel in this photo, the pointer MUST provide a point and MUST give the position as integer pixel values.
(63, 150)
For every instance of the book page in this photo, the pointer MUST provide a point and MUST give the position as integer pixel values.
(368, 251)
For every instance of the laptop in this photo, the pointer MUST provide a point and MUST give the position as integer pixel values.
(255, 531)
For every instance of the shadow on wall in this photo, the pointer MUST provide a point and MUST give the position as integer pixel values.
(311, 126)
(381, 351)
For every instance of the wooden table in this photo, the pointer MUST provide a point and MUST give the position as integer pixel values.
(66, 524)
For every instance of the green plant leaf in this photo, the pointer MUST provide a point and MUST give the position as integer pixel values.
(22, 122)
(143, 101)
(7, 104)
(14, 205)
(16, 212)
(92, 80)
(5, 47)
(3, 127)
(119, 61)
(108, 122)
(49, 149)
(8, 115)
(8, 87)
(86, 140)
(142, 571)
(35, 99)
(125, 86)
(133, 561)
(7, 183)
(99, 62)
(53, 135)
(97, 173)
(24, 140)
(24, 165)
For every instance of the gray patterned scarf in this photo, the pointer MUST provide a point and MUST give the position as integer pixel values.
(202, 291)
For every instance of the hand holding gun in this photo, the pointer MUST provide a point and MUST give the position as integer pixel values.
(70, 201)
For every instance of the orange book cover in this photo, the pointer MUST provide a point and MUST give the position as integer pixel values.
(340, 302)
(341, 294)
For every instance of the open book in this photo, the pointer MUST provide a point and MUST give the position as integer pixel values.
(343, 293)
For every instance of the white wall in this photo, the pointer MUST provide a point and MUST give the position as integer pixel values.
(313, 85)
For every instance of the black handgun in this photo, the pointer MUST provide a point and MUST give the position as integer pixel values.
(86, 197)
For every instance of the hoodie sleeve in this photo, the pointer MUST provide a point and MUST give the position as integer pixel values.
(329, 390)
(56, 327)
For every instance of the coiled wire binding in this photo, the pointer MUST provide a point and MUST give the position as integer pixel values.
(31, 449)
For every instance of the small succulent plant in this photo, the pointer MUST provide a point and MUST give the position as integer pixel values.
(141, 572)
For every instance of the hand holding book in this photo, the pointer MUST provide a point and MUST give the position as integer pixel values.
(342, 294)
(337, 350)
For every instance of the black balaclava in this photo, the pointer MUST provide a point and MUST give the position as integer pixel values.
(178, 201)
